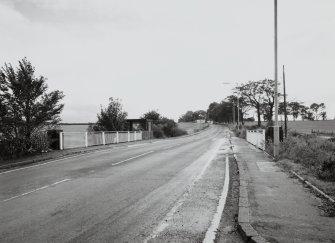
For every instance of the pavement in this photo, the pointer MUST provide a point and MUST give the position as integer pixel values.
(274, 206)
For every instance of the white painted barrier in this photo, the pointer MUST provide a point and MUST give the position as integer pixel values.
(257, 138)
(86, 139)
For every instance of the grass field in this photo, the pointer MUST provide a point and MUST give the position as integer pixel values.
(191, 127)
(306, 126)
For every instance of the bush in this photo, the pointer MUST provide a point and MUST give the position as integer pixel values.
(165, 127)
(158, 131)
(17, 147)
(316, 154)
(176, 132)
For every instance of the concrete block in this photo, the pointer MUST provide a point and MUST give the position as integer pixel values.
(243, 202)
(244, 183)
(258, 239)
(248, 230)
(243, 192)
(243, 215)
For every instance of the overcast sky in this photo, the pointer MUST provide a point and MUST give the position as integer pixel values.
(171, 56)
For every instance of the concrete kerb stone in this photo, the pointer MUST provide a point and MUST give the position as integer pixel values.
(249, 234)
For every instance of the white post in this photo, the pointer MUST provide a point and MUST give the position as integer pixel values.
(86, 140)
(135, 136)
(61, 141)
(141, 135)
(128, 136)
(103, 138)
(117, 137)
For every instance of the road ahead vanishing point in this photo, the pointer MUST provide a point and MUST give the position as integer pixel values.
(168, 190)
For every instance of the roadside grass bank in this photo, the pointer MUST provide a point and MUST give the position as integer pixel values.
(315, 154)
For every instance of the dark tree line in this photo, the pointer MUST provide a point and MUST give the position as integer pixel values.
(313, 112)
(260, 96)
(191, 116)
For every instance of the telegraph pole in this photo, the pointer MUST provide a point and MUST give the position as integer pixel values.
(276, 126)
(285, 110)
(238, 114)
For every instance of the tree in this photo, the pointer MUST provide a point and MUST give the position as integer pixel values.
(187, 117)
(281, 109)
(220, 112)
(317, 110)
(163, 127)
(253, 95)
(260, 95)
(112, 118)
(25, 106)
(295, 108)
(304, 112)
(199, 115)
(244, 107)
(191, 116)
(152, 115)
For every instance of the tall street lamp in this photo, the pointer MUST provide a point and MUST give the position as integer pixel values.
(276, 126)
(238, 110)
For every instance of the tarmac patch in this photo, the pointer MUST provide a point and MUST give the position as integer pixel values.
(267, 167)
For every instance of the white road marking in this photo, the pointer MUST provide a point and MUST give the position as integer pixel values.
(38, 189)
(135, 157)
(165, 222)
(211, 232)
(56, 160)
(137, 145)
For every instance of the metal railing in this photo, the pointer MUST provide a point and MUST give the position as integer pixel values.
(85, 139)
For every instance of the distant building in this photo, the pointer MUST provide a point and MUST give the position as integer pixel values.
(139, 124)
(201, 121)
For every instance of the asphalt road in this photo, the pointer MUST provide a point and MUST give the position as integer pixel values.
(149, 192)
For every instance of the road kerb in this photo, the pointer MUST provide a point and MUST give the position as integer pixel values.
(312, 186)
(248, 233)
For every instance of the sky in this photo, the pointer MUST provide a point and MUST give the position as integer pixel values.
(170, 56)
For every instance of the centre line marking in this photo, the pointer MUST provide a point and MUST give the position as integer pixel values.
(38, 189)
(211, 232)
(135, 157)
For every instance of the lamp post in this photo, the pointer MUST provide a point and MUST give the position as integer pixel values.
(238, 110)
(276, 126)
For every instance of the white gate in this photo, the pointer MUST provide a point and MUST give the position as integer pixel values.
(257, 138)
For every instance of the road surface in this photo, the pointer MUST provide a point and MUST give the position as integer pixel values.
(150, 192)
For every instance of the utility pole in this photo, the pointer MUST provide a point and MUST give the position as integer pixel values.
(233, 114)
(276, 126)
(285, 110)
(238, 114)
